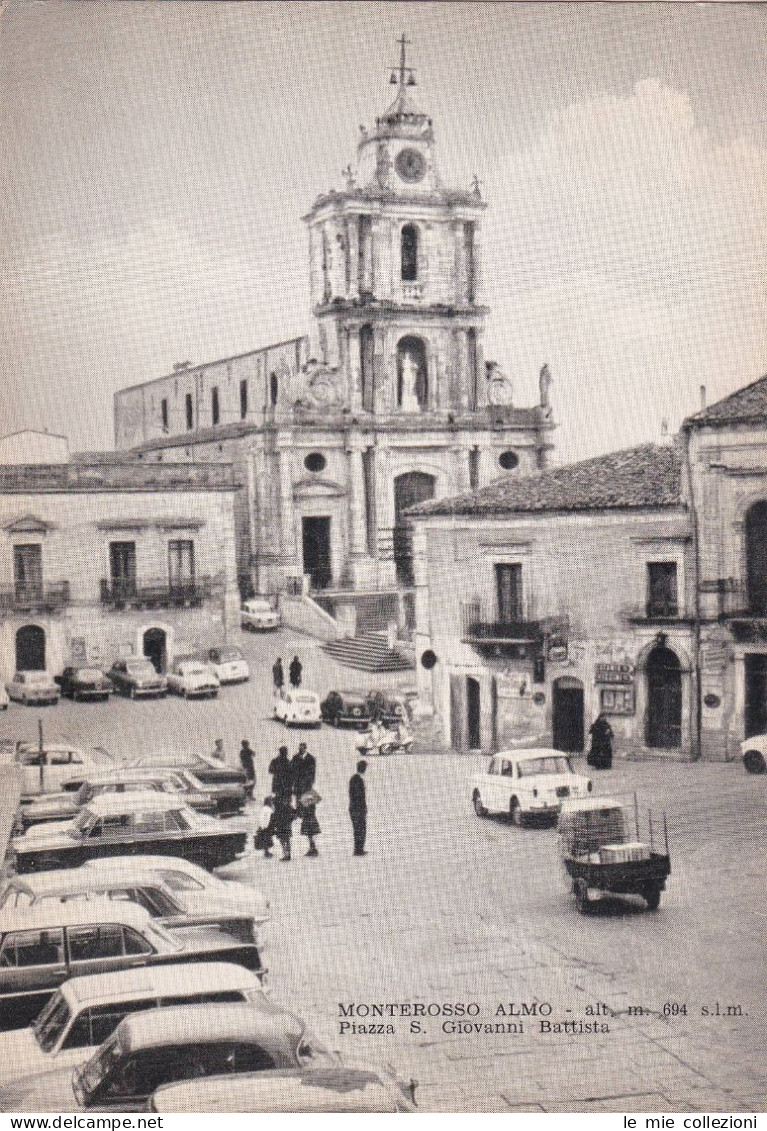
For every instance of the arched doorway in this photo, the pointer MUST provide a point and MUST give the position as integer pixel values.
(30, 649)
(412, 374)
(567, 719)
(156, 648)
(409, 489)
(756, 558)
(663, 672)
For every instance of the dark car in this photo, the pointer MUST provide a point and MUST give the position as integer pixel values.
(346, 708)
(137, 677)
(84, 683)
(43, 945)
(119, 824)
(208, 770)
(216, 798)
(162, 1046)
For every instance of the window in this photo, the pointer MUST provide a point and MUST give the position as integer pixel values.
(473, 468)
(274, 389)
(28, 572)
(135, 943)
(175, 821)
(179, 881)
(471, 267)
(409, 253)
(243, 399)
(366, 367)
(189, 407)
(471, 360)
(181, 564)
(508, 584)
(315, 461)
(33, 948)
(661, 589)
(151, 823)
(508, 460)
(94, 1025)
(164, 413)
(122, 568)
(91, 943)
(214, 407)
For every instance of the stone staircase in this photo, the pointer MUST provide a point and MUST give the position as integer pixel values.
(368, 653)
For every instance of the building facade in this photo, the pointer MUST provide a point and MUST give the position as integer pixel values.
(387, 402)
(106, 559)
(633, 584)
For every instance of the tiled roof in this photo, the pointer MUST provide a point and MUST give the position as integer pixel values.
(743, 406)
(648, 476)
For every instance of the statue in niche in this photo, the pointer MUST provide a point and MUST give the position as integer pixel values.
(410, 383)
(499, 387)
(383, 165)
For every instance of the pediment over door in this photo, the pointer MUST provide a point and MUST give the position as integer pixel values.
(317, 489)
(28, 524)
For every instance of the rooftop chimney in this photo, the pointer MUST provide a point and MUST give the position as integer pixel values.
(703, 398)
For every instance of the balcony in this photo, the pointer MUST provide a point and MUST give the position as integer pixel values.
(412, 292)
(156, 594)
(478, 627)
(661, 611)
(34, 599)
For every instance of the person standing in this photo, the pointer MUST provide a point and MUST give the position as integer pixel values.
(282, 781)
(601, 752)
(248, 763)
(218, 751)
(358, 808)
(303, 769)
(278, 676)
(264, 838)
(295, 671)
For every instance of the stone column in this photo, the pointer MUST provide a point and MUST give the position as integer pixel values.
(354, 369)
(384, 504)
(360, 563)
(459, 263)
(287, 510)
(460, 469)
(353, 252)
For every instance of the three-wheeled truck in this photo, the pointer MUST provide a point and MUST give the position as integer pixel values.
(600, 857)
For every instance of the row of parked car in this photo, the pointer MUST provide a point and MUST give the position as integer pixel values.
(197, 676)
(132, 977)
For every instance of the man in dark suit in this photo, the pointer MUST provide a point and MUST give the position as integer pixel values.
(358, 808)
(303, 770)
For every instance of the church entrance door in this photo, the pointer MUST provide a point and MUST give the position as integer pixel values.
(316, 545)
(756, 694)
(664, 699)
(567, 715)
(409, 489)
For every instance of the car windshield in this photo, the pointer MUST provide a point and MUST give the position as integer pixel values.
(259, 607)
(94, 1070)
(305, 698)
(192, 669)
(180, 881)
(140, 667)
(35, 677)
(83, 822)
(90, 674)
(550, 765)
(51, 1023)
(226, 655)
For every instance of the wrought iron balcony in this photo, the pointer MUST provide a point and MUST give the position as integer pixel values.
(477, 627)
(156, 594)
(34, 598)
(657, 611)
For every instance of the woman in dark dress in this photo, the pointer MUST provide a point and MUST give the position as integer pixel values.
(601, 752)
(282, 791)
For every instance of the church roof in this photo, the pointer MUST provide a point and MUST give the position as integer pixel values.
(647, 476)
(745, 406)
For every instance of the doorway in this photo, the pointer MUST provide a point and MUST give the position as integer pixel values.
(409, 489)
(316, 546)
(756, 695)
(473, 713)
(568, 715)
(30, 649)
(155, 648)
(663, 730)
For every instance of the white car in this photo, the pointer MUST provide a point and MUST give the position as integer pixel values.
(527, 783)
(192, 679)
(229, 664)
(298, 708)
(59, 764)
(33, 687)
(754, 753)
(259, 615)
(4, 699)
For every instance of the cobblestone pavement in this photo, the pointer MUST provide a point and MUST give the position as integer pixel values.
(447, 908)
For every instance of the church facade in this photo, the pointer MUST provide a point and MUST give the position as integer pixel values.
(388, 402)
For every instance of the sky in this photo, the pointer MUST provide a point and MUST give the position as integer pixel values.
(156, 159)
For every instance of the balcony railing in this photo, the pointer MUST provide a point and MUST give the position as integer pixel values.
(479, 627)
(156, 594)
(34, 598)
(412, 292)
(659, 611)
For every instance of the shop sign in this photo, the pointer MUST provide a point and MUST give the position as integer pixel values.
(613, 673)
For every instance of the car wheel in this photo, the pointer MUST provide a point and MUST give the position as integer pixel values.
(581, 893)
(517, 817)
(754, 762)
(479, 808)
(652, 897)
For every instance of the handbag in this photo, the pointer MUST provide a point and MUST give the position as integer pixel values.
(311, 797)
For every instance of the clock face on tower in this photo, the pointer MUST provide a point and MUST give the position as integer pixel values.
(410, 165)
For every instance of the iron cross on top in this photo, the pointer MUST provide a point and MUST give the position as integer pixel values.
(405, 73)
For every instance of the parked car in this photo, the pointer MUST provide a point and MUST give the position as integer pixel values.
(191, 884)
(118, 824)
(84, 683)
(259, 615)
(4, 698)
(36, 688)
(137, 677)
(85, 1010)
(161, 1046)
(341, 1089)
(527, 783)
(146, 888)
(191, 679)
(208, 770)
(754, 752)
(346, 708)
(43, 945)
(228, 663)
(59, 762)
(296, 707)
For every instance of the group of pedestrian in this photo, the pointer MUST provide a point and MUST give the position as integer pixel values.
(293, 796)
(295, 671)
